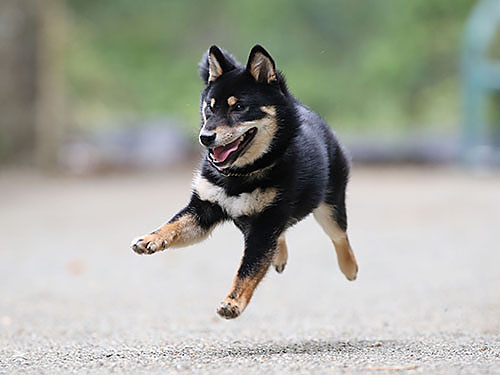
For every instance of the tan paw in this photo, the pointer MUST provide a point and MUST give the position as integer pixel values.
(279, 261)
(281, 256)
(347, 262)
(149, 244)
(350, 270)
(229, 309)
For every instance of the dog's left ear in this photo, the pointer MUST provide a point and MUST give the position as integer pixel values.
(261, 65)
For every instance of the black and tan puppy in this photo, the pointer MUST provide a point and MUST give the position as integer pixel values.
(270, 161)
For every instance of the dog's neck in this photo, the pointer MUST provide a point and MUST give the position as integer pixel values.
(228, 172)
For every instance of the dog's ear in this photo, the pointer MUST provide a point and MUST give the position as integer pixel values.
(214, 64)
(261, 65)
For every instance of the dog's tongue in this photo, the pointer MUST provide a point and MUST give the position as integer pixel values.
(222, 152)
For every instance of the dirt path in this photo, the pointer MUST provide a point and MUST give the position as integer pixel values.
(75, 299)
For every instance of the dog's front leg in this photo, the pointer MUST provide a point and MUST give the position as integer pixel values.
(192, 224)
(260, 248)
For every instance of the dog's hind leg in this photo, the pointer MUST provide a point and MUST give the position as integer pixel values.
(281, 254)
(333, 222)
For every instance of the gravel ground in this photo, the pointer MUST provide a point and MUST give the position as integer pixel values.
(75, 299)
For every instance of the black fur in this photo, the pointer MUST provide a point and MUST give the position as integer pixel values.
(304, 163)
(310, 166)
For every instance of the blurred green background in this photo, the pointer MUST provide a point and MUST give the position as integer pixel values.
(363, 65)
(374, 69)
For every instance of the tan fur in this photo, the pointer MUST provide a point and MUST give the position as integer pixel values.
(214, 68)
(203, 114)
(239, 205)
(226, 134)
(240, 293)
(182, 232)
(269, 109)
(261, 68)
(266, 130)
(345, 256)
(281, 256)
(232, 100)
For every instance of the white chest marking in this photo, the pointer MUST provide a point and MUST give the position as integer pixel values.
(244, 204)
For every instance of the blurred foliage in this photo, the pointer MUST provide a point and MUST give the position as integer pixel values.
(493, 109)
(374, 64)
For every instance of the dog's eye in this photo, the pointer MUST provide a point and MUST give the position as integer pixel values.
(239, 107)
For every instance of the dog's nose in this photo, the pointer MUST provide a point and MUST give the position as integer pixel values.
(207, 139)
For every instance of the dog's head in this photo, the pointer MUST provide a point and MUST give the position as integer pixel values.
(239, 107)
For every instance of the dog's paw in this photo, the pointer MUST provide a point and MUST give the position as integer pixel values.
(351, 271)
(228, 309)
(279, 261)
(148, 244)
(348, 264)
(281, 256)
(280, 267)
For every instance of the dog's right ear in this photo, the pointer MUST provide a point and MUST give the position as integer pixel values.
(214, 64)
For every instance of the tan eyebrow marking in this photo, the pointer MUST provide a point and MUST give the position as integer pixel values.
(212, 102)
(232, 100)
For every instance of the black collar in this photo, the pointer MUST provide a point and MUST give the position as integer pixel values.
(228, 173)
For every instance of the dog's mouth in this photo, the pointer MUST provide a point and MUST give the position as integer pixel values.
(225, 155)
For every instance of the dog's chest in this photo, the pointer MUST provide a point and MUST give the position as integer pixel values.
(244, 204)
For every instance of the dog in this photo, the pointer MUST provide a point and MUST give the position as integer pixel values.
(269, 162)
